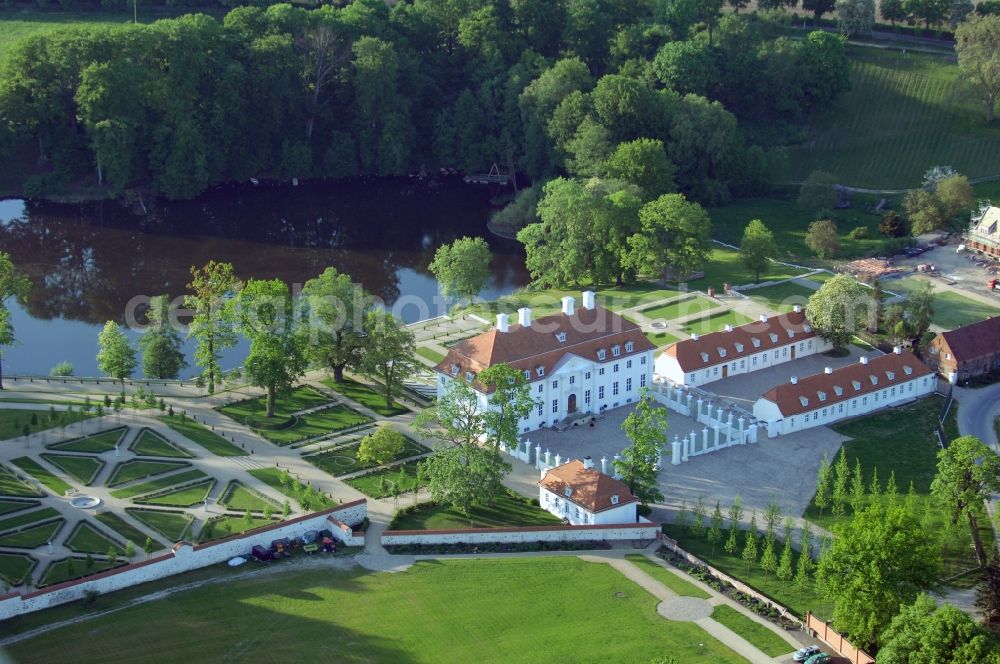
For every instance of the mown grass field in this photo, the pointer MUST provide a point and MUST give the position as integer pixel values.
(666, 577)
(905, 113)
(760, 636)
(441, 611)
(951, 310)
(507, 511)
(200, 434)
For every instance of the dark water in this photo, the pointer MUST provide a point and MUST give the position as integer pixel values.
(88, 261)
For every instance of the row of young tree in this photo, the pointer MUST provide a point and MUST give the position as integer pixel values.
(370, 88)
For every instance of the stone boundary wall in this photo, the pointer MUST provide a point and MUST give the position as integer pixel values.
(185, 557)
(610, 532)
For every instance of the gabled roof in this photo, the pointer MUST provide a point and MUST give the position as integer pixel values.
(587, 332)
(971, 342)
(590, 489)
(745, 340)
(854, 380)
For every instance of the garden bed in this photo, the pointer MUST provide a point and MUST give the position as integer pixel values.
(293, 488)
(63, 570)
(366, 396)
(124, 529)
(15, 566)
(220, 527)
(183, 496)
(137, 469)
(95, 443)
(9, 506)
(172, 525)
(382, 483)
(21, 520)
(160, 483)
(150, 443)
(202, 435)
(344, 460)
(83, 469)
(238, 496)
(32, 537)
(85, 538)
(43, 475)
(315, 424)
(12, 485)
(508, 511)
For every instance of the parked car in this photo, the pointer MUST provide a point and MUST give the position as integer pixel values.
(261, 553)
(310, 537)
(802, 654)
(821, 658)
(281, 547)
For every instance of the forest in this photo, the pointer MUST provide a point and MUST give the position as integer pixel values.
(541, 87)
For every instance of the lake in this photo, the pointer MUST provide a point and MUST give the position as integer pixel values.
(88, 261)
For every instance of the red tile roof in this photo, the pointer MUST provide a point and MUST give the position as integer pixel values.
(587, 331)
(820, 390)
(972, 342)
(590, 489)
(745, 340)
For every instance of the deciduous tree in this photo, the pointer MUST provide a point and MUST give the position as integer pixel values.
(819, 191)
(462, 268)
(465, 476)
(387, 353)
(926, 632)
(674, 238)
(638, 467)
(333, 309)
(822, 238)
(116, 357)
(160, 343)
(510, 402)
(213, 319)
(13, 285)
(977, 43)
(840, 308)
(967, 473)
(644, 163)
(757, 248)
(381, 446)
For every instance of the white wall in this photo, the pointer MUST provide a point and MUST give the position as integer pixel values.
(578, 516)
(635, 531)
(668, 367)
(185, 557)
(823, 415)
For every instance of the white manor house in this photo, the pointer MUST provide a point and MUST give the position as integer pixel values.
(756, 345)
(578, 362)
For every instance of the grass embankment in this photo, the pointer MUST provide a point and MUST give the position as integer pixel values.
(508, 510)
(905, 112)
(443, 611)
(202, 435)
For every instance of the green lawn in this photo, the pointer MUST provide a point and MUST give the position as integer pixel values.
(8, 506)
(272, 478)
(799, 600)
(11, 486)
(508, 511)
(790, 223)
(659, 339)
(905, 112)
(88, 539)
(202, 435)
(760, 636)
(549, 301)
(221, 527)
(33, 468)
(238, 497)
(63, 570)
(716, 322)
(136, 469)
(17, 26)
(366, 396)
(29, 517)
(511, 610)
(328, 420)
(13, 420)
(951, 310)
(781, 297)
(14, 567)
(158, 484)
(344, 460)
(123, 528)
(102, 441)
(172, 525)
(81, 468)
(666, 577)
(725, 267)
(32, 537)
(188, 496)
(689, 306)
(299, 398)
(902, 441)
(430, 354)
(380, 483)
(150, 443)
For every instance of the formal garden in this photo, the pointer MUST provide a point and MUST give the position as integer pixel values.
(300, 414)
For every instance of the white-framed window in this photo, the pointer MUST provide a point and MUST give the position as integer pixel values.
(600, 392)
(600, 371)
(586, 396)
(601, 354)
(642, 360)
(628, 346)
(692, 378)
(555, 384)
(541, 388)
(540, 371)
(716, 371)
(628, 384)
(614, 369)
(616, 350)
(586, 376)
(642, 380)
(555, 405)
(614, 389)
(572, 380)
(539, 408)
(628, 364)
(840, 408)
(527, 375)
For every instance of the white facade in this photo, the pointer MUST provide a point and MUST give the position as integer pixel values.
(669, 368)
(564, 508)
(578, 385)
(828, 413)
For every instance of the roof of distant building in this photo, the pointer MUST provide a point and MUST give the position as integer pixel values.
(592, 490)
(971, 342)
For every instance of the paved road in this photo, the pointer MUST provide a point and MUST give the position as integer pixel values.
(978, 409)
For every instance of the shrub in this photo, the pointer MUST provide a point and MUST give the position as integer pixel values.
(64, 368)
(859, 233)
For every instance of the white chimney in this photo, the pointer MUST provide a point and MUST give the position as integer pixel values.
(568, 304)
(502, 322)
(763, 318)
(797, 308)
(729, 328)
(828, 370)
(898, 350)
(524, 317)
(588, 299)
(588, 462)
(794, 380)
(864, 359)
(694, 336)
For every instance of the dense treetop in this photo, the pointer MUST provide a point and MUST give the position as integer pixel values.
(543, 87)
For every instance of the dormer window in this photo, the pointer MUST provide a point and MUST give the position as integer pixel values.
(838, 390)
(856, 384)
(791, 334)
(561, 337)
(628, 346)
(739, 348)
(722, 351)
(568, 491)
(873, 378)
(807, 329)
(454, 369)
(616, 350)
(527, 374)
(755, 341)
(821, 395)
(908, 370)
(601, 354)
(540, 371)
(774, 337)
(804, 401)
(704, 356)
(614, 499)
(890, 375)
